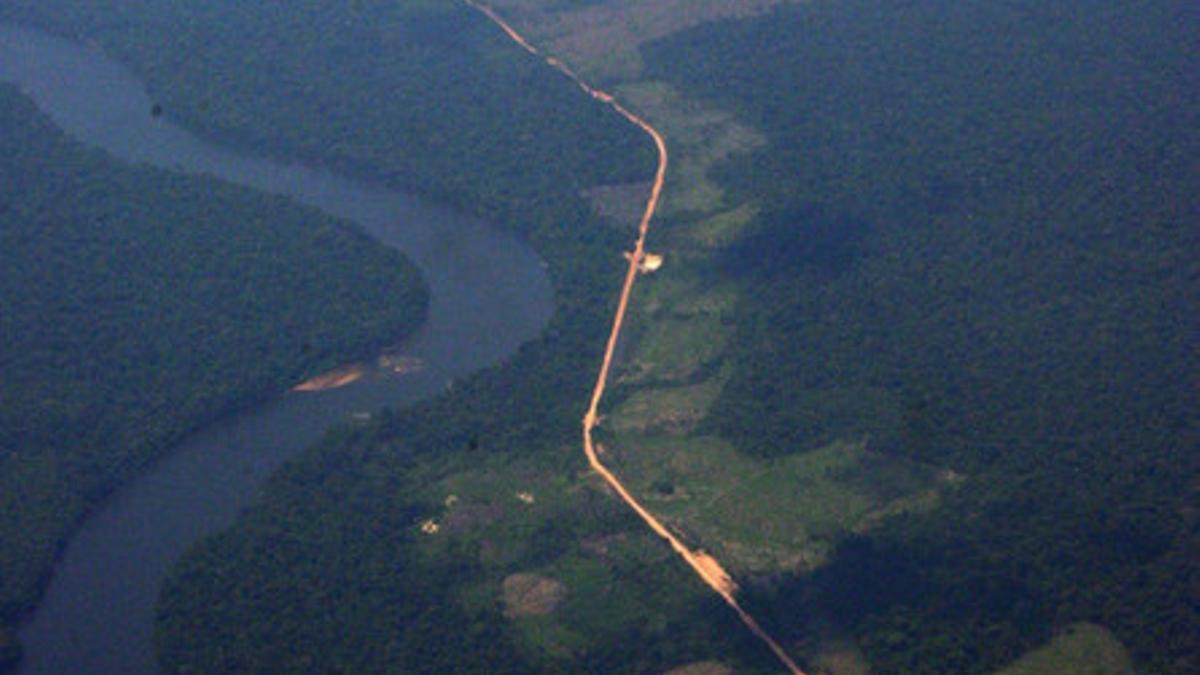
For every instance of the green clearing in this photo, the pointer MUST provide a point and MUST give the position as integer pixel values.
(675, 350)
(620, 579)
(666, 408)
(679, 291)
(723, 228)
(616, 64)
(762, 516)
(1080, 649)
(698, 137)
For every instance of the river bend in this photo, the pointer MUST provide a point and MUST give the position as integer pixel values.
(488, 294)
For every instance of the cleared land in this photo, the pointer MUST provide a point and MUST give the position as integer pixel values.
(1082, 649)
(758, 517)
(706, 566)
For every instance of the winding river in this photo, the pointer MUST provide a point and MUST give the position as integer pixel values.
(489, 294)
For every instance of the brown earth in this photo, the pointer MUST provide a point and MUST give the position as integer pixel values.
(532, 595)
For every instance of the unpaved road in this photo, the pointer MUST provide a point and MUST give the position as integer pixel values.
(706, 567)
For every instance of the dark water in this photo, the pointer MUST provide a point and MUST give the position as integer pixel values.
(488, 295)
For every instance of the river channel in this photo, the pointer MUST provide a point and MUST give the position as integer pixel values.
(488, 294)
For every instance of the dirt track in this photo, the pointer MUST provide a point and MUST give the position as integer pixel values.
(705, 566)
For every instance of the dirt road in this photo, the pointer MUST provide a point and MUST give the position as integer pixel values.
(706, 567)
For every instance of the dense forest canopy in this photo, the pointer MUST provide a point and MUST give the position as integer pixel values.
(1010, 292)
(482, 126)
(137, 305)
(352, 505)
(423, 95)
(971, 250)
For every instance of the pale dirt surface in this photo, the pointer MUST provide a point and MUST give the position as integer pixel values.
(531, 595)
(353, 372)
(338, 377)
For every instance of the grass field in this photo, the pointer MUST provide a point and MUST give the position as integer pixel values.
(1081, 649)
(669, 409)
(558, 523)
(602, 38)
(699, 138)
(762, 516)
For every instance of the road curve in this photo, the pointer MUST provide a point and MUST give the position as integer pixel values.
(706, 567)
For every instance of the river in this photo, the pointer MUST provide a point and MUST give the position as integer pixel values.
(488, 294)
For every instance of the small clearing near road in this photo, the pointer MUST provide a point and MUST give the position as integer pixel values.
(532, 595)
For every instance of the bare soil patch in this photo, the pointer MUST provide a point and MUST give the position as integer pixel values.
(532, 595)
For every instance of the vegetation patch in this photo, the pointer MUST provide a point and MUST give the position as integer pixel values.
(1080, 649)
(840, 657)
(531, 595)
(680, 291)
(1012, 312)
(700, 136)
(765, 516)
(621, 205)
(702, 668)
(666, 409)
(674, 350)
(603, 37)
(723, 228)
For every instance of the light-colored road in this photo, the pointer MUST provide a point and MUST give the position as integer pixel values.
(706, 567)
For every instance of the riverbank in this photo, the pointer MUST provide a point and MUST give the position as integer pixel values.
(481, 281)
(108, 271)
(337, 520)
